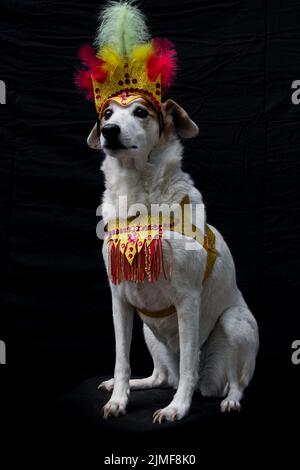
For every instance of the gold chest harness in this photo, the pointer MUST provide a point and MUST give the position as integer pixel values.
(136, 254)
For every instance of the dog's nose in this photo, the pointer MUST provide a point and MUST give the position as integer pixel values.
(111, 132)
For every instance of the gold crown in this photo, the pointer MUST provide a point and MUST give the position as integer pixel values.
(125, 84)
(127, 64)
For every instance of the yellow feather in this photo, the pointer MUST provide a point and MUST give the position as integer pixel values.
(141, 53)
(111, 58)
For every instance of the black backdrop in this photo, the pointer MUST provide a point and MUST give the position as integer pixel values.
(237, 61)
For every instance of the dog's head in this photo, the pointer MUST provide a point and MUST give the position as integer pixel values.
(135, 130)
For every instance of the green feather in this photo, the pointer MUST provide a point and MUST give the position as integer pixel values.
(123, 26)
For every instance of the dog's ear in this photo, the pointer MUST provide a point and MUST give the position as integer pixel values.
(176, 115)
(93, 140)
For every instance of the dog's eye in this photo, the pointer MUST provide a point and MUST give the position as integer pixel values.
(141, 113)
(107, 114)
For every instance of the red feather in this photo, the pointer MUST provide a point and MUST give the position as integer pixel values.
(87, 55)
(93, 64)
(162, 62)
(83, 80)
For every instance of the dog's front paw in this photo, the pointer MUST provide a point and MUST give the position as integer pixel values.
(113, 408)
(230, 405)
(107, 385)
(170, 413)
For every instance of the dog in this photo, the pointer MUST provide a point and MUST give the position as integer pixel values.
(211, 342)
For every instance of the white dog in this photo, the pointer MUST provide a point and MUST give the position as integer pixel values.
(211, 341)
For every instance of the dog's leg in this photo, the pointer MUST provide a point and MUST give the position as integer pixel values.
(153, 381)
(165, 371)
(188, 312)
(241, 332)
(228, 357)
(123, 320)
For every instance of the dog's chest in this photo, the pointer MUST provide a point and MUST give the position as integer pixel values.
(155, 297)
(150, 296)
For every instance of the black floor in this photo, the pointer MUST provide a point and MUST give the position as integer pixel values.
(69, 428)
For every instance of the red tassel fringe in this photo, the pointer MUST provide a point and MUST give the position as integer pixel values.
(148, 263)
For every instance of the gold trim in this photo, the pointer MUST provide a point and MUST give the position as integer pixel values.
(164, 312)
(210, 246)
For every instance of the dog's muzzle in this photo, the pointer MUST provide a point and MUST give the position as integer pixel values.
(111, 133)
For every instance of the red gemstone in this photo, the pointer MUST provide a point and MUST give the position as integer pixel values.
(157, 92)
(98, 97)
(97, 90)
(127, 75)
(127, 81)
(130, 255)
(158, 85)
(120, 82)
(134, 80)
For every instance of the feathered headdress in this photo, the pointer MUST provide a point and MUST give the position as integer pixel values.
(127, 64)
